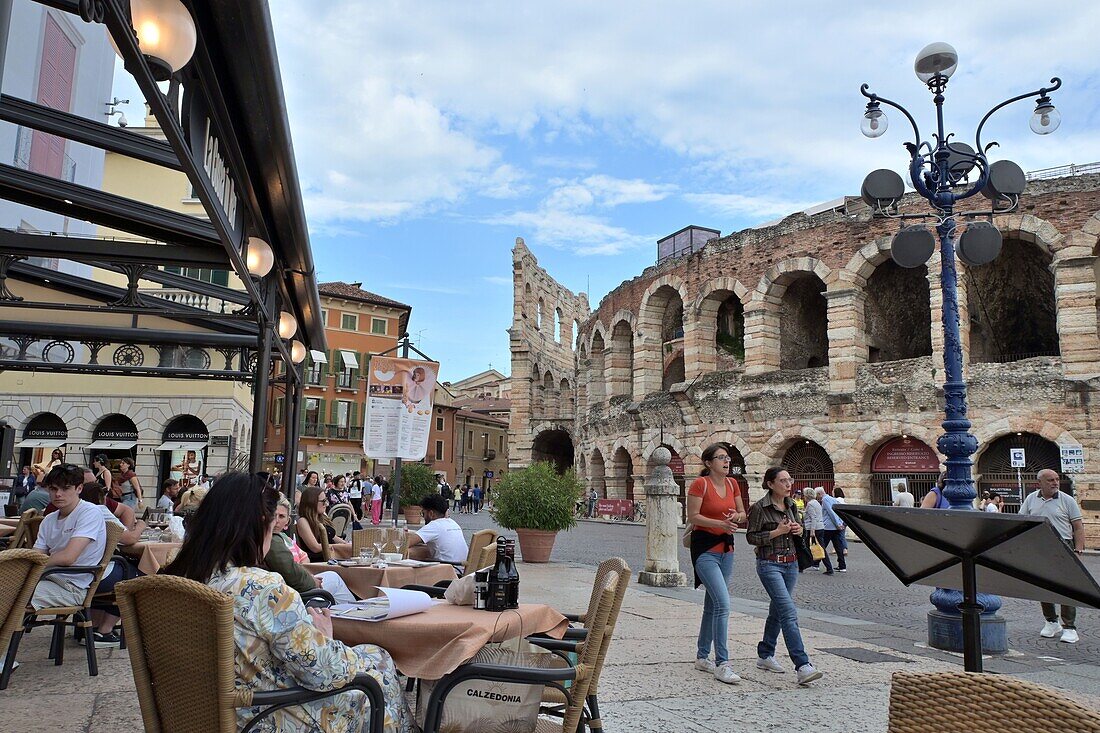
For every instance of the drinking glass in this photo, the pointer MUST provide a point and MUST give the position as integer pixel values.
(378, 551)
(366, 556)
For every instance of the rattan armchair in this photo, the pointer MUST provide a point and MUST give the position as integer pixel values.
(341, 516)
(982, 703)
(76, 616)
(191, 687)
(362, 539)
(574, 713)
(26, 531)
(19, 573)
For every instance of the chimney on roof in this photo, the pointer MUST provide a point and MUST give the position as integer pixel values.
(357, 285)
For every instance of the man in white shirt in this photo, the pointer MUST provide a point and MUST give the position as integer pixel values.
(1063, 513)
(73, 536)
(440, 538)
(904, 498)
(167, 500)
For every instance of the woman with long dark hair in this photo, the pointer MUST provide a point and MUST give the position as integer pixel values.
(313, 524)
(278, 640)
(713, 510)
(774, 527)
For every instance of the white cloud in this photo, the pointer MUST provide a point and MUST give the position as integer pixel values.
(738, 206)
(498, 280)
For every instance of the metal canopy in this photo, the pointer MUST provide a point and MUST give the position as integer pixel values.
(111, 445)
(41, 443)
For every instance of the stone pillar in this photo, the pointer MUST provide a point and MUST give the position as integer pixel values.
(762, 335)
(1075, 290)
(847, 336)
(662, 564)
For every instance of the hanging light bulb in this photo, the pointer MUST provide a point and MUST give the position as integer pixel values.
(874, 121)
(166, 35)
(258, 257)
(297, 351)
(1045, 119)
(288, 325)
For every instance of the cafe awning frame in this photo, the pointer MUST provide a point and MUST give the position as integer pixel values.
(174, 445)
(112, 445)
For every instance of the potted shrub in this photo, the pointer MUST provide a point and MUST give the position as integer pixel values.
(417, 481)
(537, 502)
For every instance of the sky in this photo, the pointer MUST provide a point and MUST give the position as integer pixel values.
(430, 135)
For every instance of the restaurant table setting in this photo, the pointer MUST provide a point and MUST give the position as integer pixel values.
(151, 555)
(363, 580)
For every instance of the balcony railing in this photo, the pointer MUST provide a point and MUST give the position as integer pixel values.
(345, 380)
(313, 374)
(333, 432)
(188, 298)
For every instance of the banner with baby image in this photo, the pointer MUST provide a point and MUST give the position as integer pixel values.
(399, 407)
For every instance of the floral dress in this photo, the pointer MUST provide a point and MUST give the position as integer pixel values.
(278, 647)
(337, 496)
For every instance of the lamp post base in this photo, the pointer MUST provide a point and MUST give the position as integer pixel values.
(945, 631)
(662, 580)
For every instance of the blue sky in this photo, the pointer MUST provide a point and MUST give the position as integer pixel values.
(430, 135)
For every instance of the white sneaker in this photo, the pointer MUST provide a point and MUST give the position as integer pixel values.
(705, 665)
(807, 674)
(1051, 630)
(770, 665)
(724, 673)
(1070, 636)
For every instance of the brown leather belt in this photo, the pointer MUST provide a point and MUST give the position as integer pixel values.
(781, 558)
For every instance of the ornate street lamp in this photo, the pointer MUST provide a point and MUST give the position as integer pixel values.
(943, 173)
(165, 31)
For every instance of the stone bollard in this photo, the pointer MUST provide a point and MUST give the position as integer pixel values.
(662, 539)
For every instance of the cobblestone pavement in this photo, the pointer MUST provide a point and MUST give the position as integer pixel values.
(868, 592)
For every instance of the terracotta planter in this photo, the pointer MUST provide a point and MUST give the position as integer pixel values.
(413, 515)
(535, 545)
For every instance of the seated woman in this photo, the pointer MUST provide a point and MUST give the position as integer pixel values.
(279, 641)
(281, 559)
(313, 523)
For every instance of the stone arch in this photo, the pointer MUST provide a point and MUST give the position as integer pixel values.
(527, 306)
(620, 365)
(871, 439)
(897, 307)
(993, 470)
(661, 328)
(553, 443)
(791, 315)
(568, 402)
(777, 445)
(597, 473)
(716, 339)
(597, 368)
(558, 325)
(620, 483)
(988, 432)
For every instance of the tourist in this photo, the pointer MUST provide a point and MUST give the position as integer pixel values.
(73, 535)
(814, 527)
(279, 642)
(282, 559)
(338, 494)
(105, 617)
(904, 498)
(713, 510)
(129, 488)
(995, 503)
(313, 524)
(102, 471)
(355, 493)
(935, 499)
(838, 496)
(440, 538)
(774, 527)
(465, 500)
(834, 525)
(376, 504)
(593, 497)
(1064, 514)
(35, 495)
(475, 498)
(456, 498)
(168, 499)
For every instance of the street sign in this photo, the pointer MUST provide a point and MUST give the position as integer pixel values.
(1073, 458)
(488, 474)
(1017, 457)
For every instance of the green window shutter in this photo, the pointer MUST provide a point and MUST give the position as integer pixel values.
(351, 415)
(333, 412)
(302, 417)
(324, 367)
(220, 277)
(321, 412)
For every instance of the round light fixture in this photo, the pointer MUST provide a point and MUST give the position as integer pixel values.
(936, 59)
(166, 35)
(874, 121)
(912, 246)
(258, 257)
(1045, 119)
(288, 325)
(979, 244)
(297, 351)
(882, 189)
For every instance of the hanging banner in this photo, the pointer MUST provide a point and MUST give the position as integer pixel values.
(399, 407)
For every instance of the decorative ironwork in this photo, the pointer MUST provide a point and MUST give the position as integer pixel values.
(5, 263)
(132, 298)
(228, 354)
(197, 358)
(94, 347)
(64, 347)
(129, 355)
(24, 343)
(92, 11)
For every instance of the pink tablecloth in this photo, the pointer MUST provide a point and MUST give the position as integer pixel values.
(434, 643)
(362, 580)
(151, 555)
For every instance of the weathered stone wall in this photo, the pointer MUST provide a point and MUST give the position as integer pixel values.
(850, 406)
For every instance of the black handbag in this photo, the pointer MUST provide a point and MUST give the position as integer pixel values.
(805, 559)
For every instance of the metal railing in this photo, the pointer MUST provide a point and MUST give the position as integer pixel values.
(334, 432)
(187, 298)
(1062, 171)
(345, 380)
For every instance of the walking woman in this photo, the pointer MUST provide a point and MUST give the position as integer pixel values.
(714, 508)
(774, 528)
(813, 525)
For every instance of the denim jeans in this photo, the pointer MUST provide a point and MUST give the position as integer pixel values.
(715, 570)
(779, 579)
(834, 537)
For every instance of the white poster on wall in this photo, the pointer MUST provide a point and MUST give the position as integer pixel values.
(399, 407)
(1073, 459)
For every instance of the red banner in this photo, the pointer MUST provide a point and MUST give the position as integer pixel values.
(615, 507)
(905, 455)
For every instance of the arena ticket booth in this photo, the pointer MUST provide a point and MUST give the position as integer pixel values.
(903, 461)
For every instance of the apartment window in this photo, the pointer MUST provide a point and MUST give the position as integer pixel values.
(205, 274)
(485, 438)
(349, 321)
(324, 317)
(470, 440)
(343, 412)
(439, 450)
(312, 411)
(439, 424)
(378, 325)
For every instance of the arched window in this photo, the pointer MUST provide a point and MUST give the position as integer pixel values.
(995, 471)
(557, 325)
(621, 368)
(804, 324)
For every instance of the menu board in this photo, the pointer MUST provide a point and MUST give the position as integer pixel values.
(399, 407)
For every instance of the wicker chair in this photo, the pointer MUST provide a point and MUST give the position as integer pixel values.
(79, 615)
(341, 518)
(365, 538)
(19, 573)
(190, 688)
(982, 703)
(611, 570)
(482, 539)
(574, 713)
(26, 532)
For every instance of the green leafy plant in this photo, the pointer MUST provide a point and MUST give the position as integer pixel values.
(731, 345)
(417, 481)
(536, 497)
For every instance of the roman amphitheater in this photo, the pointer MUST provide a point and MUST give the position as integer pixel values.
(804, 345)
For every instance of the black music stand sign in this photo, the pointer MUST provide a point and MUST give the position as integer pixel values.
(1002, 554)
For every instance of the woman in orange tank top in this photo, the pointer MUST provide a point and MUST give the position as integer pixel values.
(714, 508)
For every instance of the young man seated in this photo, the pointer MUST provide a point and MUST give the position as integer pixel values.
(74, 535)
(440, 538)
(167, 501)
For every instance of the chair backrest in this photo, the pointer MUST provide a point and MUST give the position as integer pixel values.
(114, 531)
(26, 532)
(614, 567)
(982, 703)
(341, 516)
(19, 572)
(326, 549)
(362, 539)
(589, 654)
(183, 685)
(480, 540)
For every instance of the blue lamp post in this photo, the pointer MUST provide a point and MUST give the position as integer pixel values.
(943, 173)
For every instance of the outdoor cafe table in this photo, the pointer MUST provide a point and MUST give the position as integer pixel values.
(432, 644)
(150, 555)
(7, 526)
(361, 580)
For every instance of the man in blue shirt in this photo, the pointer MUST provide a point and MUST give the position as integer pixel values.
(833, 527)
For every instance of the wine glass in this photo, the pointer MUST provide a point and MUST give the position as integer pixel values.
(378, 551)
